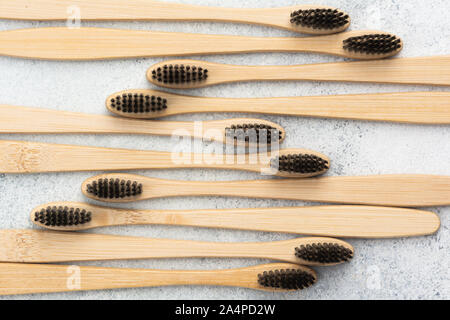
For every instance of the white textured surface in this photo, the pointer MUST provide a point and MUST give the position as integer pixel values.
(398, 269)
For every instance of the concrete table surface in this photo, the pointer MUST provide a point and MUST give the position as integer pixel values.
(416, 268)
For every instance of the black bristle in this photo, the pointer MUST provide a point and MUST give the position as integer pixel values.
(321, 19)
(114, 188)
(373, 44)
(62, 216)
(288, 279)
(179, 74)
(324, 253)
(255, 133)
(138, 103)
(300, 163)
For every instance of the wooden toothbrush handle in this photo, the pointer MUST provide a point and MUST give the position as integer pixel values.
(14, 119)
(423, 71)
(406, 107)
(329, 221)
(383, 190)
(102, 43)
(35, 278)
(112, 10)
(31, 157)
(27, 279)
(139, 10)
(29, 246)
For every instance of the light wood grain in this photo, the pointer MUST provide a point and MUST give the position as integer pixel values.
(34, 157)
(403, 107)
(18, 279)
(32, 246)
(327, 221)
(57, 43)
(147, 10)
(383, 190)
(14, 119)
(433, 70)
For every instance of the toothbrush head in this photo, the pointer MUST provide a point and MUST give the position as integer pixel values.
(320, 20)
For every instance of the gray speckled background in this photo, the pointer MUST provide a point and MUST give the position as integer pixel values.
(415, 268)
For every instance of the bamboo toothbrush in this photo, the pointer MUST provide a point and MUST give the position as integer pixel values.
(328, 221)
(310, 19)
(35, 278)
(33, 157)
(407, 107)
(383, 190)
(35, 120)
(31, 246)
(101, 43)
(187, 74)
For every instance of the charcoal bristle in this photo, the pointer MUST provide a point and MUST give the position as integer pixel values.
(373, 44)
(288, 279)
(179, 74)
(62, 216)
(114, 188)
(128, 103)
(255, 133)
(321, 19)
(324, 253)
(300, 163)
